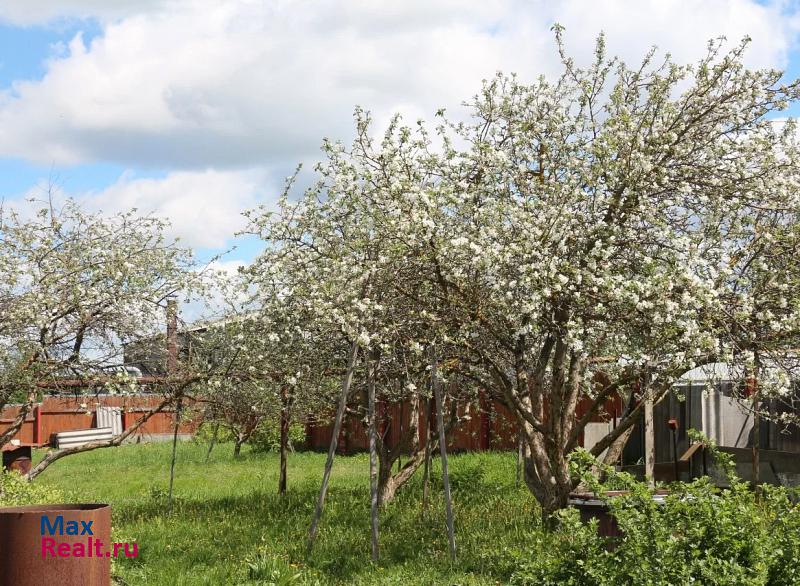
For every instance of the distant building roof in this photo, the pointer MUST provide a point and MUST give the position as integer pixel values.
(722, 371)
(716, 371)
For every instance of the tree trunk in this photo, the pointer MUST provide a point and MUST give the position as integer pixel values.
(551, 497)
(546, 473)
(544, 400)
(386, 486)
(614, 452)
(427, 471)
(649, 440)
(388, 483)
(174, 454)
(373, 456)
(213, 441)
(391, 484)
(448, 501)
(237, 447)
(286, 404)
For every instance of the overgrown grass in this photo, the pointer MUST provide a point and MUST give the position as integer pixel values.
(230, 527)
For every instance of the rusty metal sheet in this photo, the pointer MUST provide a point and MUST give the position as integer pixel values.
(26, 560)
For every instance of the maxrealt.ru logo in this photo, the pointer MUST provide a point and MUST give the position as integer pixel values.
(90, 547)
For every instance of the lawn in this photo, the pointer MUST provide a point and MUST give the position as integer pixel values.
(229, 526)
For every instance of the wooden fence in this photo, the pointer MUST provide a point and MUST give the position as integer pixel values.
(485, 424)
(66, 413)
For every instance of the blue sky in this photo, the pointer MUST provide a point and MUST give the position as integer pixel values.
(198, 109)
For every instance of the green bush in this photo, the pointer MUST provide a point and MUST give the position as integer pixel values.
(205, 433)
(267, 438)
(573, 555)
(700, 535)
(16, 491)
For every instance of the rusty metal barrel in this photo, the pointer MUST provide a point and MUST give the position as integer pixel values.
(592, 506)
(18, 459)
(66, 545)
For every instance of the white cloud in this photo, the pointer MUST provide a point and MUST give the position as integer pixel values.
(204, 207)
(197, 84)
(26, 12)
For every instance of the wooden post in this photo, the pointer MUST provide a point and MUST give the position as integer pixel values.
(674, 433)
(337, 425)
(705, 461)
(37, 424)
(756, 444)
(373, 455)
(448, 501)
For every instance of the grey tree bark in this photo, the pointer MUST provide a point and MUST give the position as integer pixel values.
(337, 427)
(174, 454)
(373, 456)
(448, 501)
(286, 404)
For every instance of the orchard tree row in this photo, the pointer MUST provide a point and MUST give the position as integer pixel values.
(577, 239)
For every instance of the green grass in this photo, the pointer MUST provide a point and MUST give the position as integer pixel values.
(230, 527)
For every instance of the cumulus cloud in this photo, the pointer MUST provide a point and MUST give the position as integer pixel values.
(196, 84)
(204, 207)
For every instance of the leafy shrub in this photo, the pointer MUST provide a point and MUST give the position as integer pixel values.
(467, 478)
(205, 433)
(267, 438)
(700, 535)
(15, 491)
(158, 495)
(573, 555)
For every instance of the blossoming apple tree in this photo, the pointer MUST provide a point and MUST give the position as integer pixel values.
(591, 231)
(575, 241)
(74, 288)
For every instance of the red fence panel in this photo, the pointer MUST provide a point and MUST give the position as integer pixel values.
(66, 413)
